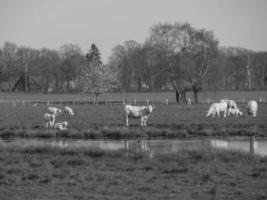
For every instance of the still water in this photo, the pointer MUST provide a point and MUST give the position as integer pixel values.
(152, 146)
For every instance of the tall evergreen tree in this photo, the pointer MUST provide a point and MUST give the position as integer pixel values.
(94, 56)
(94, 76)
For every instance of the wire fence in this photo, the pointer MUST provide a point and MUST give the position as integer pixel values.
(61, 102)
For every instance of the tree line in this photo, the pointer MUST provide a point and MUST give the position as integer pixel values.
(177, 57)
(182, 58)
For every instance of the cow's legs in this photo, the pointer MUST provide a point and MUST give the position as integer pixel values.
(126, 120)
(224, 113)
(218, 113)
(51, 124)
(228, 111)
(142, 121)
(146, 119)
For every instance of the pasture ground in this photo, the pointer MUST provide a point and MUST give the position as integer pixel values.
(53, 173)
(107, 121)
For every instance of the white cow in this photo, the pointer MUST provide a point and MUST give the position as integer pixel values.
(252, 108)
(230, 105)
(61, 125)
(234, 111)
(54, 110)
(68, 110)
(217, 108)
(49, 120)
(142, 112)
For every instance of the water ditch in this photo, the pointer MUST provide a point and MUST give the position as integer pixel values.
(153, 146)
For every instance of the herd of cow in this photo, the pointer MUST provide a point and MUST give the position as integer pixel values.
(225, 106)
(50, 117)
(229, 107)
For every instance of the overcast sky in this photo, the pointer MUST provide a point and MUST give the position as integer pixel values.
(53, 23)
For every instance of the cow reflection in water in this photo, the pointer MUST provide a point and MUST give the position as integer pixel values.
(60, 143)
(144, 146)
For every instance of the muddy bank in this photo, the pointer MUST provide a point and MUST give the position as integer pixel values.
(113, 132)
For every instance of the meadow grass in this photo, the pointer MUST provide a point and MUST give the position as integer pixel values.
(55, 173)
(105, 121)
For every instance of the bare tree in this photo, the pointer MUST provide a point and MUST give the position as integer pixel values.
(72, 59)
(8, 61)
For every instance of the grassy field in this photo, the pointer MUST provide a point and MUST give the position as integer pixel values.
(48, 172)
(239, 96)
(54, 173)
(107, 121)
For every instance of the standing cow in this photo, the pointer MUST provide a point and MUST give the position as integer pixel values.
(142, 112)
(252, 108)
(230, 105)
(49, 120)
(54, 110)
(217, 108)
(68, 110)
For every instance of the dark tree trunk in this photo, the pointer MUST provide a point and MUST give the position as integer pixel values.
(177, 94)
(96, 97)
(9, 86)
(57, 85)
(195, 96)
(180, 95)
(139, 85)
(68, 85)
(196, 88)
(26, 80)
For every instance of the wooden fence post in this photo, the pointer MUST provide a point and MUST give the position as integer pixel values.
(147, 101)
(252, 144)
(189, 101)
(167, 101)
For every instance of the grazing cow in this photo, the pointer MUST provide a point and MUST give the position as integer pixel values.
(234, 111)
(142, 112)
(252, 108)
(217, 108)
(61, 125)
(230, 105)
(68, 110)
(49, 120)
(54, 110)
